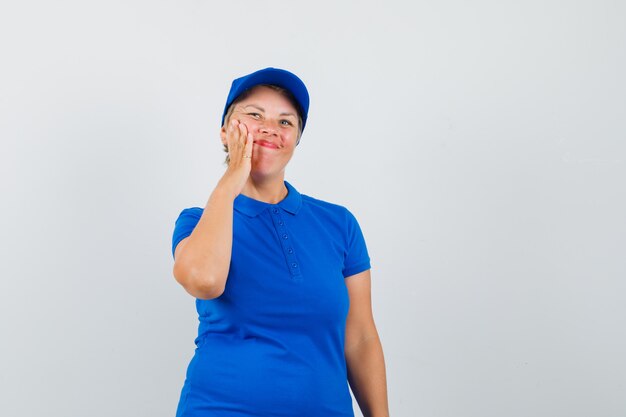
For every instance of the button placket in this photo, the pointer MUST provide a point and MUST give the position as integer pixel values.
(285, 241)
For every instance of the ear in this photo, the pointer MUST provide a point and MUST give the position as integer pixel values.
(223, 134)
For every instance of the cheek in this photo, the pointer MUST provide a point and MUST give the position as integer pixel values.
(291, 136)
(252, 125)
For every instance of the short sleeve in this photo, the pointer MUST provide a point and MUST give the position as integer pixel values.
(186, 222)
(356, 256)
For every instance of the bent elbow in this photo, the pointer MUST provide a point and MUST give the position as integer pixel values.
(198, 284)
(205, 291)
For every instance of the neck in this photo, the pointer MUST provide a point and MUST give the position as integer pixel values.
(271, 192)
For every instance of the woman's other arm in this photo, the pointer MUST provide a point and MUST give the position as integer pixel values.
(202, 259)
(363, 350)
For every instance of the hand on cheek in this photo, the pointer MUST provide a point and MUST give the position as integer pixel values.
(239, 144)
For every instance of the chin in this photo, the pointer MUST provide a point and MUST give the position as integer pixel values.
(264, 173)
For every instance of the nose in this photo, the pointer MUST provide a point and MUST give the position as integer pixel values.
(268, 127)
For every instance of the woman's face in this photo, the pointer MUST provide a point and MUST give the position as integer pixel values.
(273, 122)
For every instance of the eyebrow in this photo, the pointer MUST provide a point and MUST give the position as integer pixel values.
(263, 110)
(255, 106)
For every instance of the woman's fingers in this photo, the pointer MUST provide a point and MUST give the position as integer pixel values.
(233, 134)
(247, 152)
(240, 142)
(243, 134)
(239, 145)
(233, 139)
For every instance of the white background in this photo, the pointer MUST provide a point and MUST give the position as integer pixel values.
(479, 143)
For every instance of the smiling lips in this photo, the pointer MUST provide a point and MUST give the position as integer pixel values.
(266, 144)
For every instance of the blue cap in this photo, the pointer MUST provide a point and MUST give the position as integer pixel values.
(274, 76)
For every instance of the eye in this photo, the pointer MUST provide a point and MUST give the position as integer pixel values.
(286, 123)
(255, 115)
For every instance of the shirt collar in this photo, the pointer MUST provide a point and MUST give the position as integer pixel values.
(252, 208)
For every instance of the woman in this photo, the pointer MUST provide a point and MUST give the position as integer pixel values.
(281, 280)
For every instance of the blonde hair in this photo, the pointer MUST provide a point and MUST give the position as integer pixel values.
(283, 91)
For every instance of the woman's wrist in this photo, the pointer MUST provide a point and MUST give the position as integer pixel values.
(227, 188)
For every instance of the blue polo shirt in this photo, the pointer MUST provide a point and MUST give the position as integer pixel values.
(273, 343)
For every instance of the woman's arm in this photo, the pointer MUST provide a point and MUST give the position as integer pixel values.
(363, 350)
(202, 259)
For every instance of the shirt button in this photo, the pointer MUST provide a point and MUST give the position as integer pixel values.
(290, 250)
(285, 236)
(281, 223)
(295, 265)
(275, 210)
